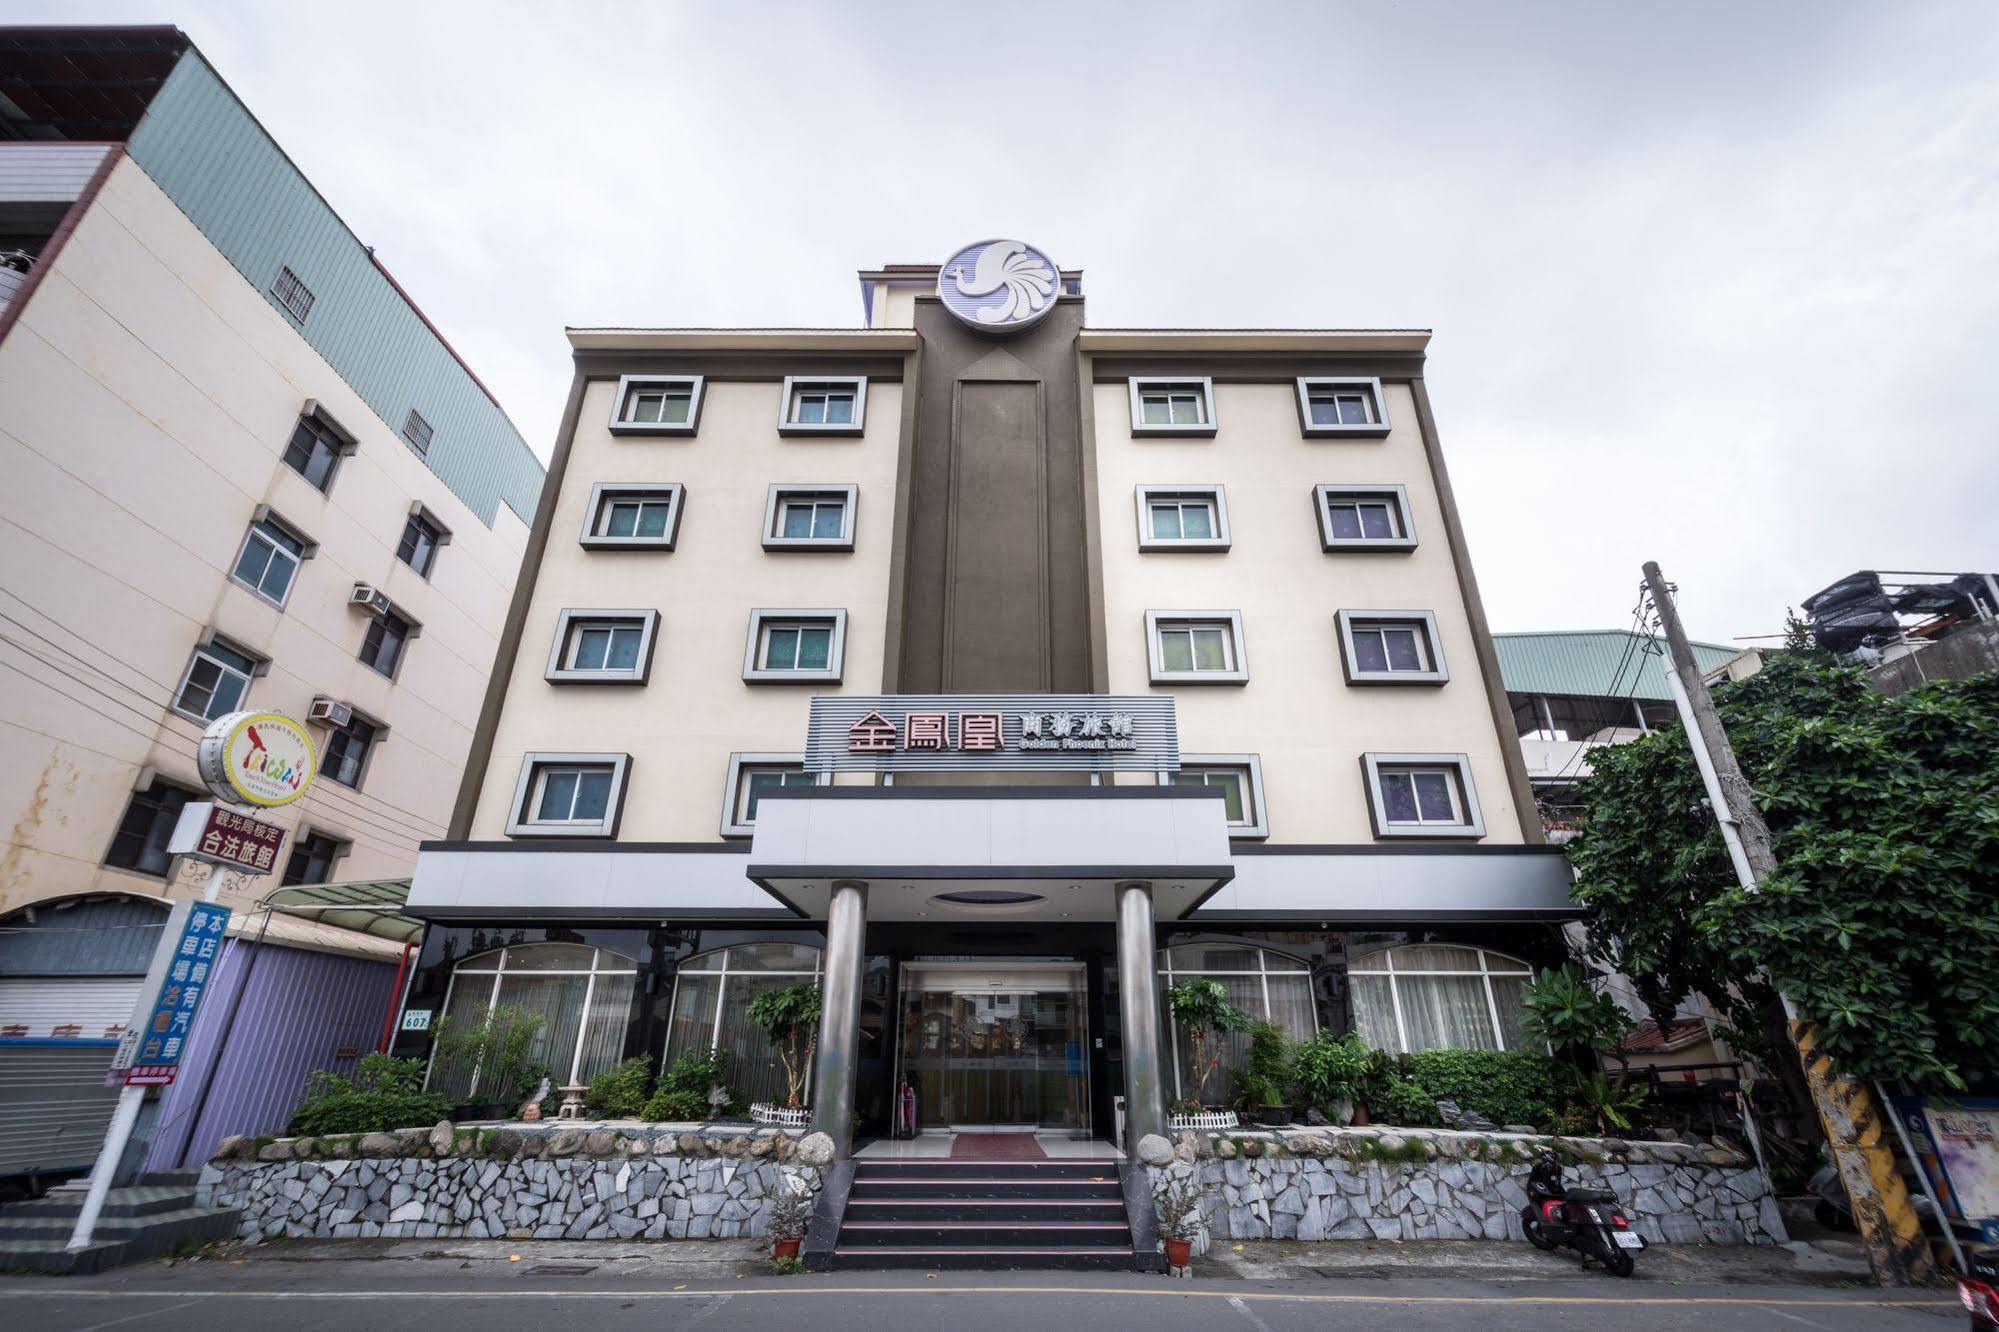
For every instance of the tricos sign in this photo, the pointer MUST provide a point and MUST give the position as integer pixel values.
(257, 758)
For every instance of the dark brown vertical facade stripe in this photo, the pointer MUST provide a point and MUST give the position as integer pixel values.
(996, 609)
(1481, 632)
(898, 557)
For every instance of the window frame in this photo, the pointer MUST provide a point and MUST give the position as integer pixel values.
(1214, 493)
(762, 617)
(411, 632)
(307, 833)
(188, 795)
(307, 548)
(1375, 429)
(1170, 975)
(476, 967)
(1485, 972)
(298, 288)
(1425, 622)
(314, 419)
(715, 962)
(1257, 826)
(528, 785)
(697, 386)
(741, 767)
(605, 494)
(1459, 765)
(260, 666)
(440, 537)
(1156, 620)
(1138, 385)
(782, 493)
(569, 621)
(1395, 495)
(380, 734)
(424, 428)
(786, 425)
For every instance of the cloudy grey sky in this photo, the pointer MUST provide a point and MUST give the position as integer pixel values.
(1712, 284)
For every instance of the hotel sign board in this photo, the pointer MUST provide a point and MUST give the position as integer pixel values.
(993, 733)
(155, 1040)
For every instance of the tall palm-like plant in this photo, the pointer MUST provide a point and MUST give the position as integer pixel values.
(790, 1019)
(1202, 1008)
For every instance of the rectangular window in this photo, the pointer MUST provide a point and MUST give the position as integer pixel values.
(1364, 517)
(1172, 406)
(315, 452)
(311, 860)
(568, 795)
(1422, 795)
(1337, 406)
(293, 294)
(1183, 518)
(269, 561)
(345, 757)
(1391, 647)
(422, 535)
(382, 647)
(792, 645)
(217, 678)
(140, 843)
(417, 431)
(636, 517)
(1196, 647)
(657, 405)
(602, 647)
(1239, 777)
(826, 406)
(798, 517)
(751, 777)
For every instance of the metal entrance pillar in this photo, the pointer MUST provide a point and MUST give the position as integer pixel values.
(1138, 1009)
(838, 1060)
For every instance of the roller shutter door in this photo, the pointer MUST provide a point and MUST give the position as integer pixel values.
(54, 1106)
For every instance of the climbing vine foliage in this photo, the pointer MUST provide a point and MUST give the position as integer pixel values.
(1882, 922)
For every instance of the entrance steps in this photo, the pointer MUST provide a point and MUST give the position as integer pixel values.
(968, 1214)
(149, 1220)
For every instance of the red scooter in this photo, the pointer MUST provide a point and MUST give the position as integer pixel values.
(1590, 1221)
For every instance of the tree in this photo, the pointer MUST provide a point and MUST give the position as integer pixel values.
(790, 1019)
(1882, 922)
(1204, 1012)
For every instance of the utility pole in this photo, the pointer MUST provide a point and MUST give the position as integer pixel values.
(1854, 1122)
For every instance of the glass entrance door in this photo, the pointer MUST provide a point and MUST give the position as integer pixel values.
(996, 1045)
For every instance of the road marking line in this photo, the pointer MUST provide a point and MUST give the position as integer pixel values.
(1235, 1302)
(149, 1313)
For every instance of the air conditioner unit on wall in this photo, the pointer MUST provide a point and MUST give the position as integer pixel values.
(369, 598)
(329, 712)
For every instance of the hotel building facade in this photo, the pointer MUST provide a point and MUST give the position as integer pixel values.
(999, 672)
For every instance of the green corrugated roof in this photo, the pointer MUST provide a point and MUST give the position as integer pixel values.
(1594, 663)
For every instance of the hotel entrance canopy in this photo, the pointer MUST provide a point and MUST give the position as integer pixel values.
(964, 853)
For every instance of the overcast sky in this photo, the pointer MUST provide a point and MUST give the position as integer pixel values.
(1716, 285)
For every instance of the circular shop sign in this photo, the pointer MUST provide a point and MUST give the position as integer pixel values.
(257, 758)
(999, 286)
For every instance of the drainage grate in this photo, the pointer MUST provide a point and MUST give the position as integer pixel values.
(562, 1269)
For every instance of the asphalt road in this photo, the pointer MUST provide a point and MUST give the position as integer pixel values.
(304, 1301)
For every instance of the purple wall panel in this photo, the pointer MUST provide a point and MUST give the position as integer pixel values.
(299, 1011)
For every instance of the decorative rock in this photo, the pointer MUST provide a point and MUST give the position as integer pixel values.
(1252, 1147)
(600, 1142)
(1155, 1150)
(443, 1137)
(816, 1150)
(281, 1150)
(1518, 1128)
(233, 1147)
(565, 1142)
(1458, 1118)
(1316, 1119)
(1225, 1149)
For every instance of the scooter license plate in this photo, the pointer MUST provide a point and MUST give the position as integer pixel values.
(1626, 1240)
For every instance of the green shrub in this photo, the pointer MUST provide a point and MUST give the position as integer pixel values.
(1504, 1086)
(1403, 1104)
(1331, 1069)
(694, 1074)
(1265, 1078)
(619, 1092)
(382, 1094)
(674, 1105)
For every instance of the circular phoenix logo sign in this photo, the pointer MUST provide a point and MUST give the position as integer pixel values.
(999, 286)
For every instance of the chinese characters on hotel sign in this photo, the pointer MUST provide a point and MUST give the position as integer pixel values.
(217, 836)
(153, 1044)
(997, 732)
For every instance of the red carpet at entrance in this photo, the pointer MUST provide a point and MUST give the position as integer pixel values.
(998, 1147)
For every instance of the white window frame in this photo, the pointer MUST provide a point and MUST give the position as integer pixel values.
(1395, 496)
(1156, 620)
(1170, 976)
(307, 549)
(630, 385)
(1257, 826)
(715, 962)
(534, 767)
(763, 618)
(498, 971)
(1486, 971)
(794, 384)
(1203, 385)
(1458, 766)
(735, 787)
(1424, 623)
(1214, 494)
(1374, 429)
(569, 623)
(259, 666)
(604, 494)
(784, 493)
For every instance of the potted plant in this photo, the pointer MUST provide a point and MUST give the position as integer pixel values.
(789, 1019)
(1178, 1201)
(1334, 1074)
(790, 1214)
(1266, 1074)
(1201, 1006)
(498, 1050)
(1585, 1027)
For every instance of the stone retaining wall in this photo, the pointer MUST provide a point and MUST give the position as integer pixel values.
(525, 1183)
(1412, 1184)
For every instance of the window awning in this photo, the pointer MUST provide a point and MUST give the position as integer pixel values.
(372, 906)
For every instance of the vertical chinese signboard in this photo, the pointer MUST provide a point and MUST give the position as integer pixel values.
(154, 1042)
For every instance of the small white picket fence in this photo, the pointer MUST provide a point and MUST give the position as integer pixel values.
(763, 1112)
(1209, 1119)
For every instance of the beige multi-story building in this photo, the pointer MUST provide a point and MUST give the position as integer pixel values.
(999, 672)
(242, 470)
